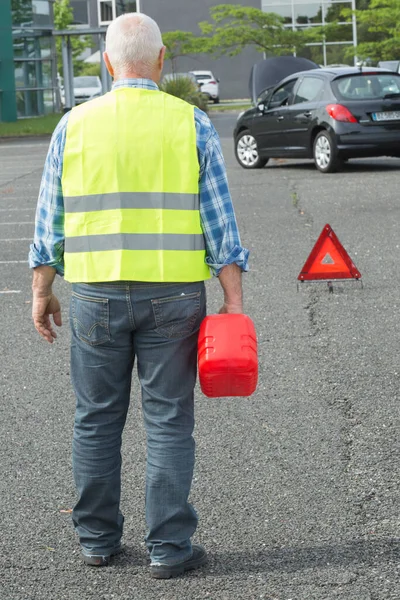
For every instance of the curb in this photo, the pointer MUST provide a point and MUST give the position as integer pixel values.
(24, 138)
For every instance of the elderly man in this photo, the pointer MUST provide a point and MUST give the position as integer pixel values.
(134, 210)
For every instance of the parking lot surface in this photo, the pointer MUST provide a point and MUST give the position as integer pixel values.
(297, 487)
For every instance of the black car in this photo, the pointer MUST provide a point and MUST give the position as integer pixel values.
(329, 114)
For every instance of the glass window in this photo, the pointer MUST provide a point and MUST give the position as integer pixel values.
(333, 12)
(29, 103)
(343, 33)
(284, 10)
(336, 55)
(41, 13)
(81, 12)
(283, 95)
(124, 6)
(308, 13)
(24, 47)
(32, 47)
(314, 53)
(366, 86)
(21, 12)
(106, 11)
(309, 90)
(33, 74)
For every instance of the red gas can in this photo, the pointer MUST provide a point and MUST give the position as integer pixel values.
(227, 355)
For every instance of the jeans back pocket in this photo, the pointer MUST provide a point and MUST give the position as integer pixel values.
(90, 319)
(176, 316)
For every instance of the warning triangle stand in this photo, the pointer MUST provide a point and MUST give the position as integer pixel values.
(328, 260)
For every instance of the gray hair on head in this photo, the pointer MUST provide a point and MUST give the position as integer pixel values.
(133, 43)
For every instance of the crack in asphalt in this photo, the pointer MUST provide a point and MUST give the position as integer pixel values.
(11, 181)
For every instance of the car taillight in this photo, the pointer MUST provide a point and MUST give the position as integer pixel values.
(340, 113)
(212, 81)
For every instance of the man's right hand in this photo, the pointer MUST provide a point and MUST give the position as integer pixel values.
(233, 309)
(230, 278)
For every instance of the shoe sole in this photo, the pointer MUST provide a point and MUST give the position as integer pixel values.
(168, 572)
(100, 561)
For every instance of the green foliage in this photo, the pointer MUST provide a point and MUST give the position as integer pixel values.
(35, 126)
(378, 29)
(63, 14)
(181, 43)
(82, 68)
(382, 21)
(186, 89)
(63, 17)
(235, 27)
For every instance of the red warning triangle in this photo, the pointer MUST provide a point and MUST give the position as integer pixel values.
(328, 260)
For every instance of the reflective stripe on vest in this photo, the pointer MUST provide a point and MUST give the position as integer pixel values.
(130, 187)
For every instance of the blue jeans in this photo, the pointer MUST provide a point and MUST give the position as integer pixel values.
(112, 325)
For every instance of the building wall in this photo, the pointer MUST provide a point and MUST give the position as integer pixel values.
(184, 15)
(33, 56)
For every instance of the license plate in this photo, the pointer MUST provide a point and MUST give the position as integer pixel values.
(393, 115)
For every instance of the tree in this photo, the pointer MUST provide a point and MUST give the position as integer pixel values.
(181, 43)
(236, 27)
(382, 20)
(63, 18)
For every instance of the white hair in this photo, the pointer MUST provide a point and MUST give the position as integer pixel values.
(133, 43)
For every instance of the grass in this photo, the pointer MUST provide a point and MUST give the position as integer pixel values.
(46, 125)
(35, 126)
(235, 107)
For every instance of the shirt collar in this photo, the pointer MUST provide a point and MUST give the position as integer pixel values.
(146, 84)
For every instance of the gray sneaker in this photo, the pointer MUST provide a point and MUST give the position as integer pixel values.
(164, 571)
(100, 560)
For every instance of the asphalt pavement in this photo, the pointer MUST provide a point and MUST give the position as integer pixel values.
(297, 487)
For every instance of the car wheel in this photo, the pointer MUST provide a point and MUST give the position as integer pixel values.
(246, 151)
(216, 100)
(326, 157)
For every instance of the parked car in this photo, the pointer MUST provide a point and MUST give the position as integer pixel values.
(86, 88)
(328, 114)
(392, 65)
(209, 85)
(188, 75)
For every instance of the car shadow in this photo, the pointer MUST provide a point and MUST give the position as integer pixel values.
(353, 166)
(365, 553)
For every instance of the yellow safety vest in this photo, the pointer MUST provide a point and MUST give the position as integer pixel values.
(131, 190)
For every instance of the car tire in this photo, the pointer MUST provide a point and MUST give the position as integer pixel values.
(325, 153)
(246, 151)
(216, 100)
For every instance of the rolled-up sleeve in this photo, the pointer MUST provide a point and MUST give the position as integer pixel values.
(222, 239)
(48, 243)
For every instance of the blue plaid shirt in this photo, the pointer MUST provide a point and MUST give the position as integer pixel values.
(221, 234)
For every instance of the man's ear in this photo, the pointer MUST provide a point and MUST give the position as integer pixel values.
(108, 64)
(161, 57)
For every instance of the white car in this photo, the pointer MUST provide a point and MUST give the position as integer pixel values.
(86, 88)
(209, 84)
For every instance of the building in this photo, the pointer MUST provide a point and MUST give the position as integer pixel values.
(301, 14)
(29, 84)
(233, 72)
(27, 54)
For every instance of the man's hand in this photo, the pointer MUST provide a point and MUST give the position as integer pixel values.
(42, 308)
(231, 308)
(45, 303)
(230, 278)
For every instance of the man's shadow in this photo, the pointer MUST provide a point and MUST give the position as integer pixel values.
(367, 552)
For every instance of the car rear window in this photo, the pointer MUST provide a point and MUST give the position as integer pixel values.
(366, 86)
